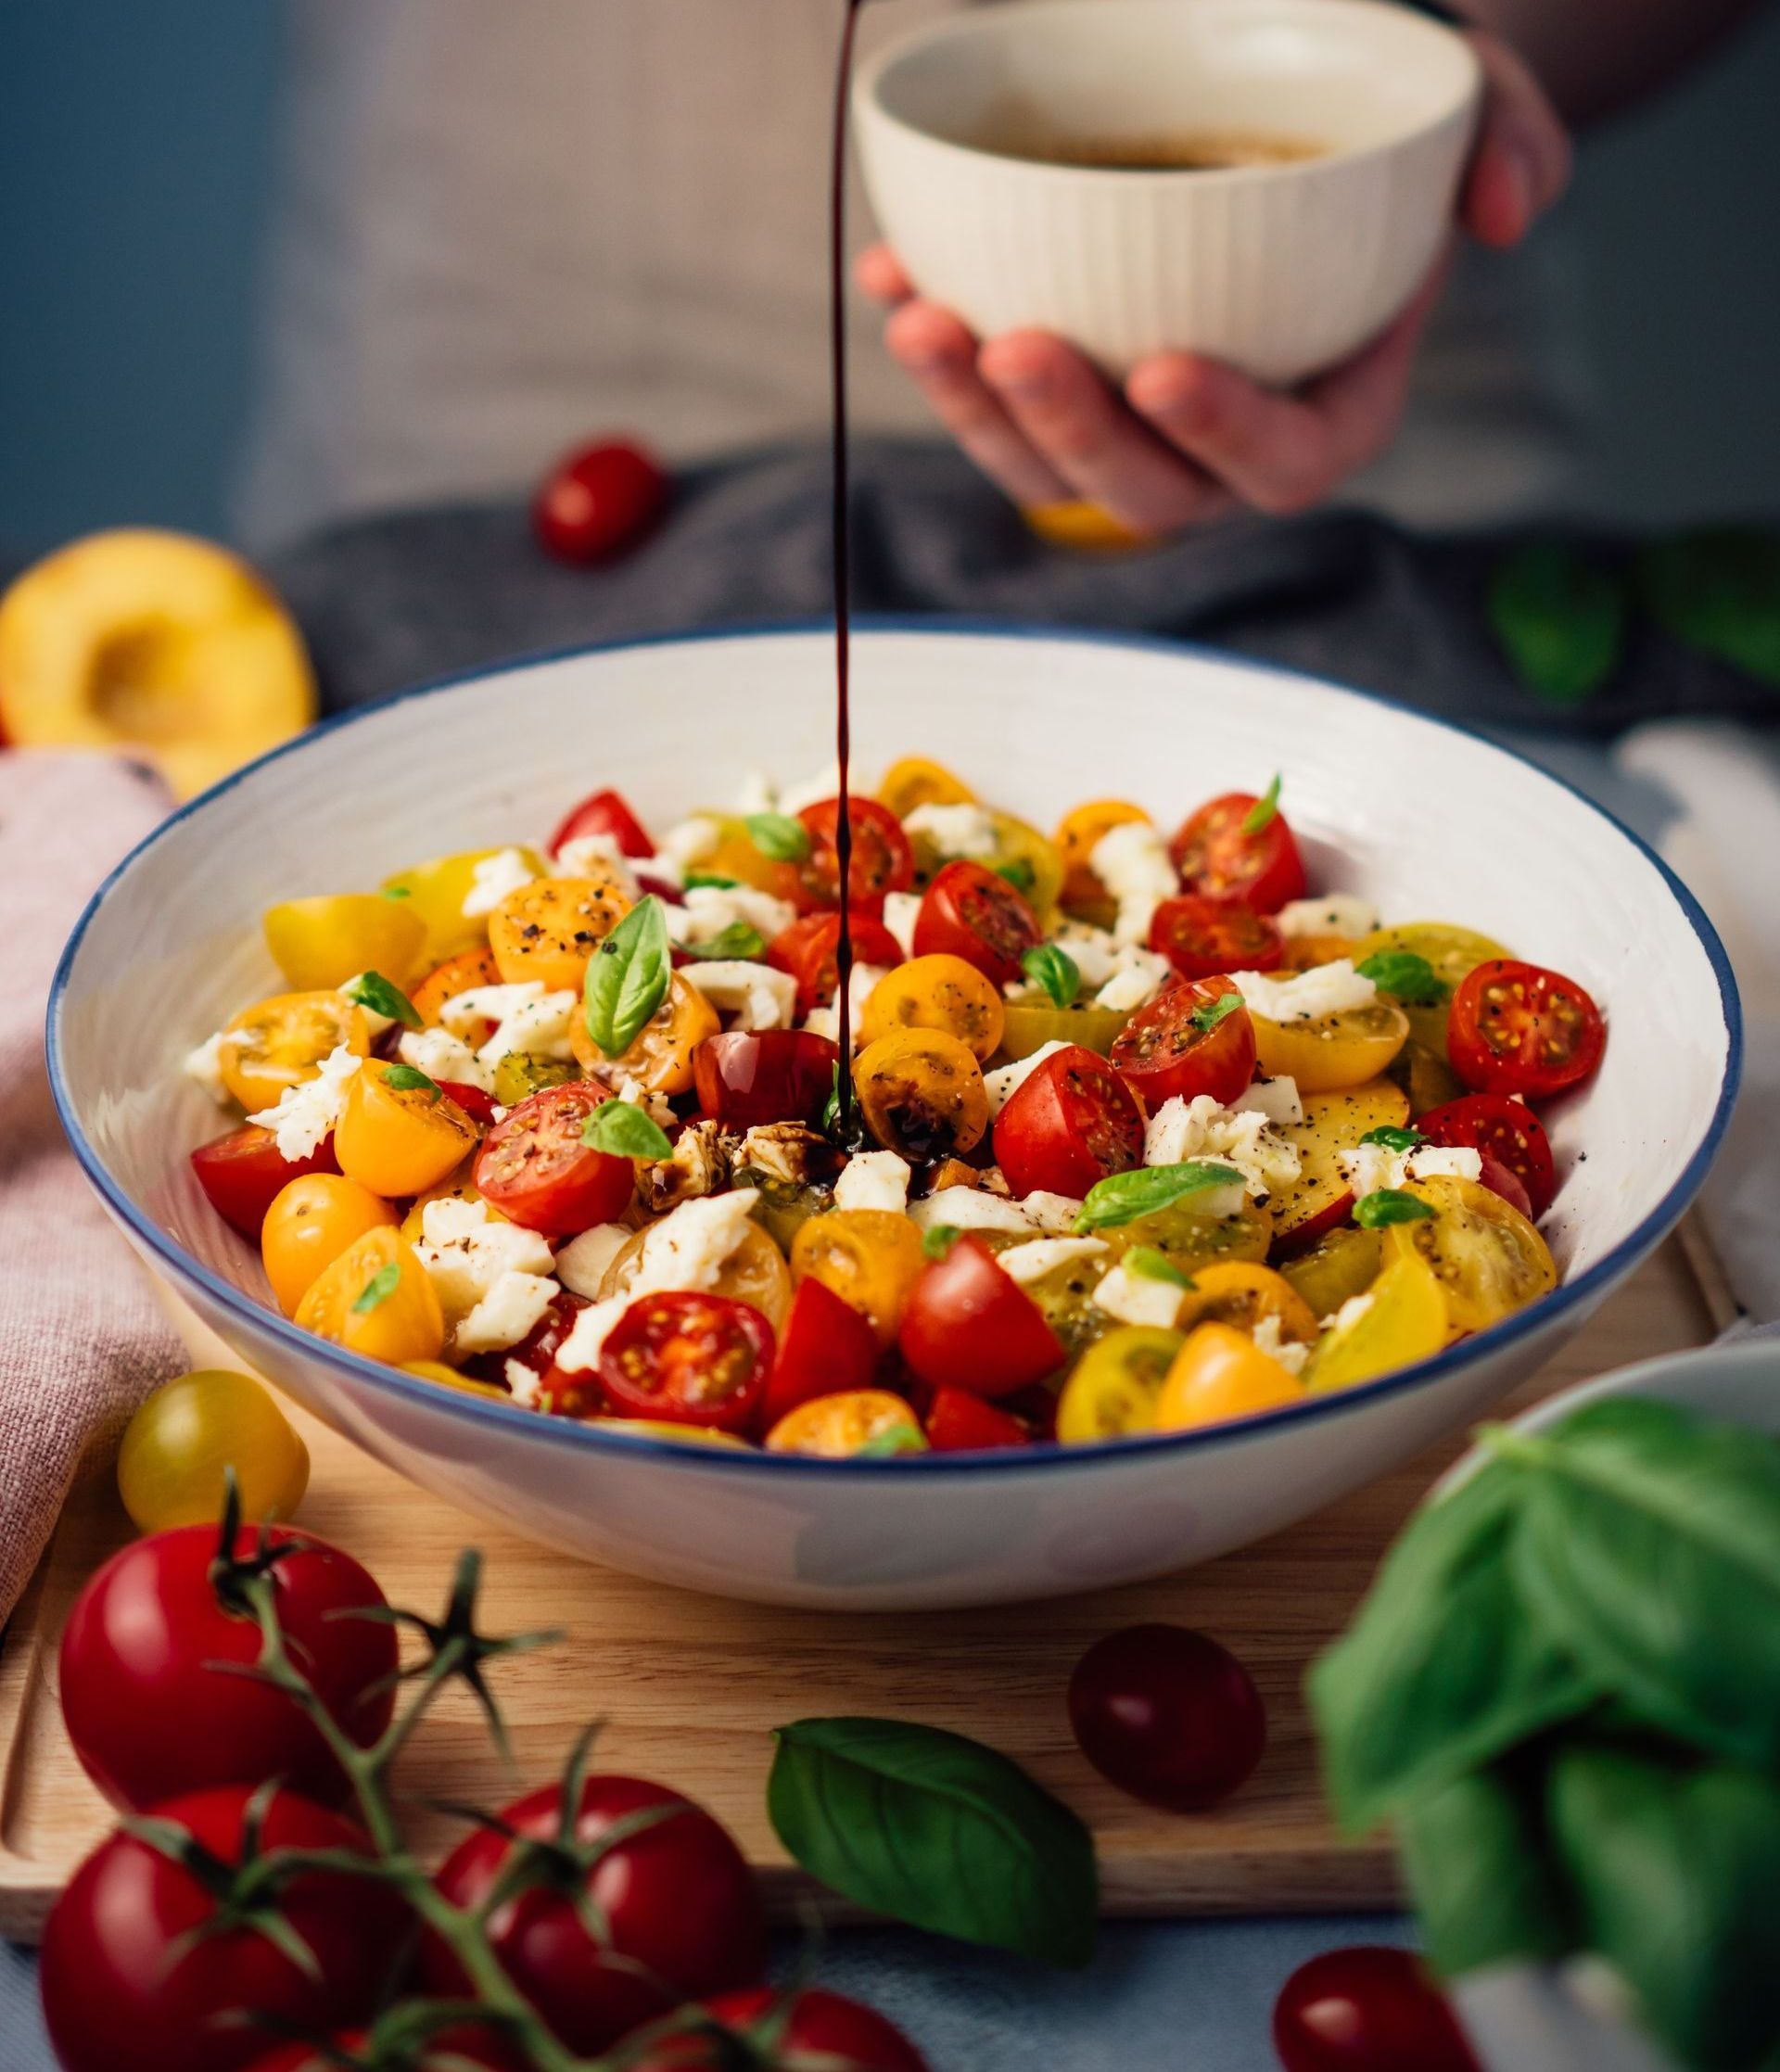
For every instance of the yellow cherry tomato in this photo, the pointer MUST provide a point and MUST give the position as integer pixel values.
(1455, 953)
(172, 1464)
(324, 942)
(660, 1060)
(1335, 1050)
(937, 993)
(680, 1435)
(1333, 1123)
(1030, 861)
(462, 973)
(522, 1073)
(279, 1043)
(1078, 833)
(398, 1138)
(1191, 1241)
(1112, 1391)
(755, 1273)
(1220, 1375)
(1402, 1318)
(1081, 527)
(922, 1094)
(840, 1427)
(915, 781)
(1488, 1259)
(449, 1378)
(1237, 1293)
(376, 1301)
(1342, 1262)
(434, 892)
(1034, 1020)
(733, 853)
(312, 1219)
(870, 1258)
(546, 931)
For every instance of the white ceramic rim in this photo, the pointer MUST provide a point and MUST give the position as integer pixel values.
(1020, 1460)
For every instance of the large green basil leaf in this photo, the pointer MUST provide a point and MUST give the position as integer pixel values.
(1718, 589)
(1476, 1870)
(628, 977)
(936, 1830)
(1561, 619)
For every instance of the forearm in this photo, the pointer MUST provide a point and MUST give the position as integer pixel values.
(1595, 56)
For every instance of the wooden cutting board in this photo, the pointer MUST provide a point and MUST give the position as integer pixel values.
(690, 1687)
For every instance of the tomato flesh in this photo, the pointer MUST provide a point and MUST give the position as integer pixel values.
(971, 912)
(567, 1394)
(599, 500)
(688, 1359)
(1163, 1051)
(1215, 855)
(1202, 936)
(1067, 1126)
(1366, 2009)
(765, 1075)
(606, 813)
(534, 1168)
(243, 1172)
(959, 1422)
(809, 949)
(1167, 1715)
(1505, 1130)
(478, 1106)
(970, 1325)
(883, 860)
(826, 1348)
(1516, 1028)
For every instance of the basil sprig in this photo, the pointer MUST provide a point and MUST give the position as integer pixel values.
(714, 879)
(1718, 589)
(372, 990)
(937, 1830)
(891, 1442)
(1205, 1019)
(621, 1129)
(1560, 616)
(937, 1243)
(779, 837)
(628, 977)
(1055, 971)
(410, 1079)
(1405, 976)
(1387, 1205)
(377, 1289)
(738, 940)
(1123, 1197)
(1394, 1138)
(1266, 809)
(1018, 872)
(1148, 1263)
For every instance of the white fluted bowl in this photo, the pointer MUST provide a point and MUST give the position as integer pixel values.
(1280, 270)
(1426, 820)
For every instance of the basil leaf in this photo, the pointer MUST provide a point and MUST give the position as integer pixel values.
(628, 977)
(937, 1243)
(1148, 1263)
(738, 940)
(1718, 589)
(1474, 1858)
(372, 990)
(398, 892)
(832, 1106)
(1123, 1197)
(889, 1443)
(378, 1289)
(1055, 971)
(1205, 1019)
(1405, 976)
(778, 837)
(621, 1129)
(1561, 619)
(409, 1079)
(1395, 1139)
(939, 1831)
(693, 879)
(1266, 809)
(1018, 872)
(1388, 1205)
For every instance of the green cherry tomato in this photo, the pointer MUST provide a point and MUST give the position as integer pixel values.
(176, 1447)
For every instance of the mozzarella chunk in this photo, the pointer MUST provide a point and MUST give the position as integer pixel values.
(539, 1029)
(1137, 1299)
(1137, 977)
(582, 1262)
(1096, 953)
(304, 1114)
(955, 831)
(826, 1020)
(510, 1311)
(1335, 913)
(466, 1252)
(493, 879)
(1032, 1262)
(657, 1107)
(440, 1055)
(970, 1208)
(810, 791)
(710, 909)
(1311, 996)
(598, 856)
(471, 1016)
(1350, 1312)
(205, 1066)
(759, 997)
(684, 846)
(1045, 1211)
(1277, 1099)
(1369, 1168)
(1291, 1353)
(901, 910)
(1184, 1130)
(873, 1180)
(1132, 862)
(1006, 1081)
(686, 1250)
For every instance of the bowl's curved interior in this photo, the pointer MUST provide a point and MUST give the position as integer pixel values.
(1430, 821)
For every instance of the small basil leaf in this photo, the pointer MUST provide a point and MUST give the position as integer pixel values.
(1205, 1019)
(939, 1831)
(1405, 976)
(397, 892)
(627, 978)
(1123, 1197)
(1388, 1205)
(378, 1289)
(372, 990)
(778, 837)
(1561, 619)
(1148, 1263)
(831, 1107)
(621, 1129)
(1718, 591)
(937, 1243)
(1017, 872)
(711, 878)
(887, 1445)
(1485, 1891)
(1055, 971)
(737, 941)
(1266, 809)
(1395, 1139)
(409, 1079)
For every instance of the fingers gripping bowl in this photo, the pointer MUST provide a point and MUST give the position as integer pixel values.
(1404, 814)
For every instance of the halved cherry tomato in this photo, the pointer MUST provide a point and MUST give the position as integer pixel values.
(322, 942)
(1215, 854)
(826, 1348)
(309, 1222)
(959, 1422)
(434, 892)
(1174, 1046)
(1502, 1130)
(840, 1427)
(547, 931)
(535, 1169)
(937, 993)
(914, 780)
(1237, 1293)
(559, 1392)
(606, 813)
(280, 1042)
(1078, 834)
(1320, 1197)
(1342, 1264)
(1068, 1124)
(478, 1106)
(399, 1139)
(970, 1324)
(809, 950)
(1032, 1020)
(376, 1301)
(869, 1257)
(922, 1095)
(1488, 1258)
(660, 1060)
(1453, 953)
(765, 1075)
(883, 860)
(688, 1359)
(1520, 1029)
(1221, 1375)
(1112, 1392)
(1496, 1176)
(243, 1172)
(1334, 1050)
(1200, 936)
(970, 912)
(1402, 1319)
(755, 1273)
(465, 972)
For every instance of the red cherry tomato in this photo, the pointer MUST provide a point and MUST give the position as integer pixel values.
(599, 500)
(128, 1980)
(959, 1422)
(1496, 1176)
(152, 1714)
(535, 1169)
(1202, 937)
(1174, 1046)
(1502, 1130)
(443, 2052)
(809, 950)
(823, 2030)
(1520, 1029)
(826, 1349)
(1067, 1125)
(684, 1916)
(1366, 2009)
(969, 1325)
(765, 1075)
(568, 1395)
(1216, 854)
(883, 860)
(970, 912)
(478, 1106)
(243, 1171)
(1168, 1716)
(688, 1359)
(606, 813)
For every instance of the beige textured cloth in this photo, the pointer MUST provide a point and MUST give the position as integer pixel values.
(81, 1341)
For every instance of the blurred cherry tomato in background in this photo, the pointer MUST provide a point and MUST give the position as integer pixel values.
(606, 813)
(600, 501)
(1168, 1716)
(170, 1466)
(821, 2029)
(1366, 2009)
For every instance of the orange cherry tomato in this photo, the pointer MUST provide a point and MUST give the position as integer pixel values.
(922, 1095)
(547, 930)
(1237, 1293)
(1079, 832)
(376, 1301)
(310, 1223)
(870, 1258)
(915, 781)
(1218, 1376)
(395, 1138)
(937, 993)
(661, 1060)
(279, 1043)
(840, 1427)
(469, 970)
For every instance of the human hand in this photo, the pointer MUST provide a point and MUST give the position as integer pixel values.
(1189, 439)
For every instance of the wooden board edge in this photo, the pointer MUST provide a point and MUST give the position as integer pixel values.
(26, 1894)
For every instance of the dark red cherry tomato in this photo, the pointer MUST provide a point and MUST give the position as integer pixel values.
(883, 860)
(1182, 1044)
(1502, 1130)
(151, 1686)
(1168, 1716)
(684, 1916)
(445, 2050)
(1518, 1028)
(567, 1394)
(969, 1325)
(130, 1979)
(823, 2030)
(1202, 937)
(606, 813)
(971, 912)
(825, 1349)
(959, 1422)
(1216, 854)
(1496, 1176)
(534, 1168)
(809, 950)
(688, 1359)
(1068, 1124)
(243, 1171)
(1366, 2009)
(600, 501)
(765, 1075)
(478, 1106)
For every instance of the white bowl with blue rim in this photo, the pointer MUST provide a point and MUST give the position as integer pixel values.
(1426, 820)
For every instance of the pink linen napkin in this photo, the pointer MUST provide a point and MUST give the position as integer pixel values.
(81, 1341)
